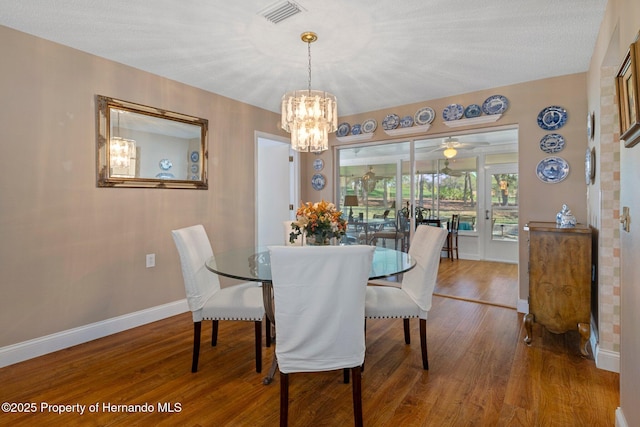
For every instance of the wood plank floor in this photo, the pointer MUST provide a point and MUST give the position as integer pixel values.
(481, 374)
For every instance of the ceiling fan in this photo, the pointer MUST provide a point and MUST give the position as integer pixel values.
(446, 170)
(450, 146)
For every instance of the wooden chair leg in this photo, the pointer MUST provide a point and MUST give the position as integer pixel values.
(357, 396)
(407, 334)
(423, 344)
(258, 328)
(345, 373)
(284, 399)
(214, 333)
(197, 328)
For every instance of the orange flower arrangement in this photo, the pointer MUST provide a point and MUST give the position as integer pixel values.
(319, 222)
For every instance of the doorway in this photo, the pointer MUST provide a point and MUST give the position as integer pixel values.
(500, 221)
(277, 187)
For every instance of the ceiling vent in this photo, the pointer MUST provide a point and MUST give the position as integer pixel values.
(280, 11)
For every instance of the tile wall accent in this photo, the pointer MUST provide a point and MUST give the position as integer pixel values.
(608, 165)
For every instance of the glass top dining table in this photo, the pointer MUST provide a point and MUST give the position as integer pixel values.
(253, 264)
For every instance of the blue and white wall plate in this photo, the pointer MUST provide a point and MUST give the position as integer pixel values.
(356, 129)
(424, 116)
(495, 104)
(318, 181)
(195, 156)
(552, 170)
(552, 118)
(552, 143)
(318, 164)
(390, 122)
(406, 122)
(452, 112)
(165, 164)
(472, 110)
(343, 129)
(369, 125)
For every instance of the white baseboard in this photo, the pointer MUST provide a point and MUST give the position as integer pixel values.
(620, 420)
(607, 359)
(523, 306)
(48, 344)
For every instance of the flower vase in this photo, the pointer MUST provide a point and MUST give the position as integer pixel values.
(318, 240)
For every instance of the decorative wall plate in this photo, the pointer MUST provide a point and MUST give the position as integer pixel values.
(590, 125)
(369, 125)
(406, 122)
(165, 175)
(165, 164)
(195, 168)
(343, 129)
(390, 122)
(552, 170)
(356, 129)
(318, 181)
(496, 104)
(318, 164)
(552, 118)
(452, 112)
(590, 165)
(472, 110)
(424, 116)
(195, 156)
(552, 143)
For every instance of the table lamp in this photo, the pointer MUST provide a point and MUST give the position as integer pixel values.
(351, 201)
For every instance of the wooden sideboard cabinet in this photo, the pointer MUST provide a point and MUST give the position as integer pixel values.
(560, 280)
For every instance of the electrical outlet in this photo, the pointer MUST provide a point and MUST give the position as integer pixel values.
(151, 260)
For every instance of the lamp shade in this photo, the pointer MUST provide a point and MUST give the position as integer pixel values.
(450, 152)
(351, 200)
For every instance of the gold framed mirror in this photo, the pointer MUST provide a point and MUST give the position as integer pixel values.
(147, 147)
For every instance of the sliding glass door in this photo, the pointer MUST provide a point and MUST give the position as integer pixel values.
(414, 175)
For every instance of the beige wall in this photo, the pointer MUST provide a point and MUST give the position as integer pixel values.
(538, 201)
(71, 253)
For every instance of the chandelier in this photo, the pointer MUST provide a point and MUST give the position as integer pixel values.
(309, 115)
(120, 149)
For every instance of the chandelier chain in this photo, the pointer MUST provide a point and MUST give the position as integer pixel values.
(309, 54)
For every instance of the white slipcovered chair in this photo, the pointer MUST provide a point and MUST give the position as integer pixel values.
(207, 300)
(413, 298)
(319, 295)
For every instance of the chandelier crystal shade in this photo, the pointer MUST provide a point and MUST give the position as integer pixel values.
(309, 115)
(121, 150)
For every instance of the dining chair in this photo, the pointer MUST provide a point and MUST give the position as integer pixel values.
(399, 232)
(319, 296)
(207, 300)
(451, 244)
(413, 298)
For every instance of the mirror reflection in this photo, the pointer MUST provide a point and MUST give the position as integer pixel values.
(140, 146)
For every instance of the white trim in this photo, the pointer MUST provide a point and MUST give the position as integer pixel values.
(523, 306)
(620, 419)
(48, 344)
(607, 359)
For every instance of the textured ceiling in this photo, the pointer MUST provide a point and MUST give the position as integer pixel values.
(372, 54)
